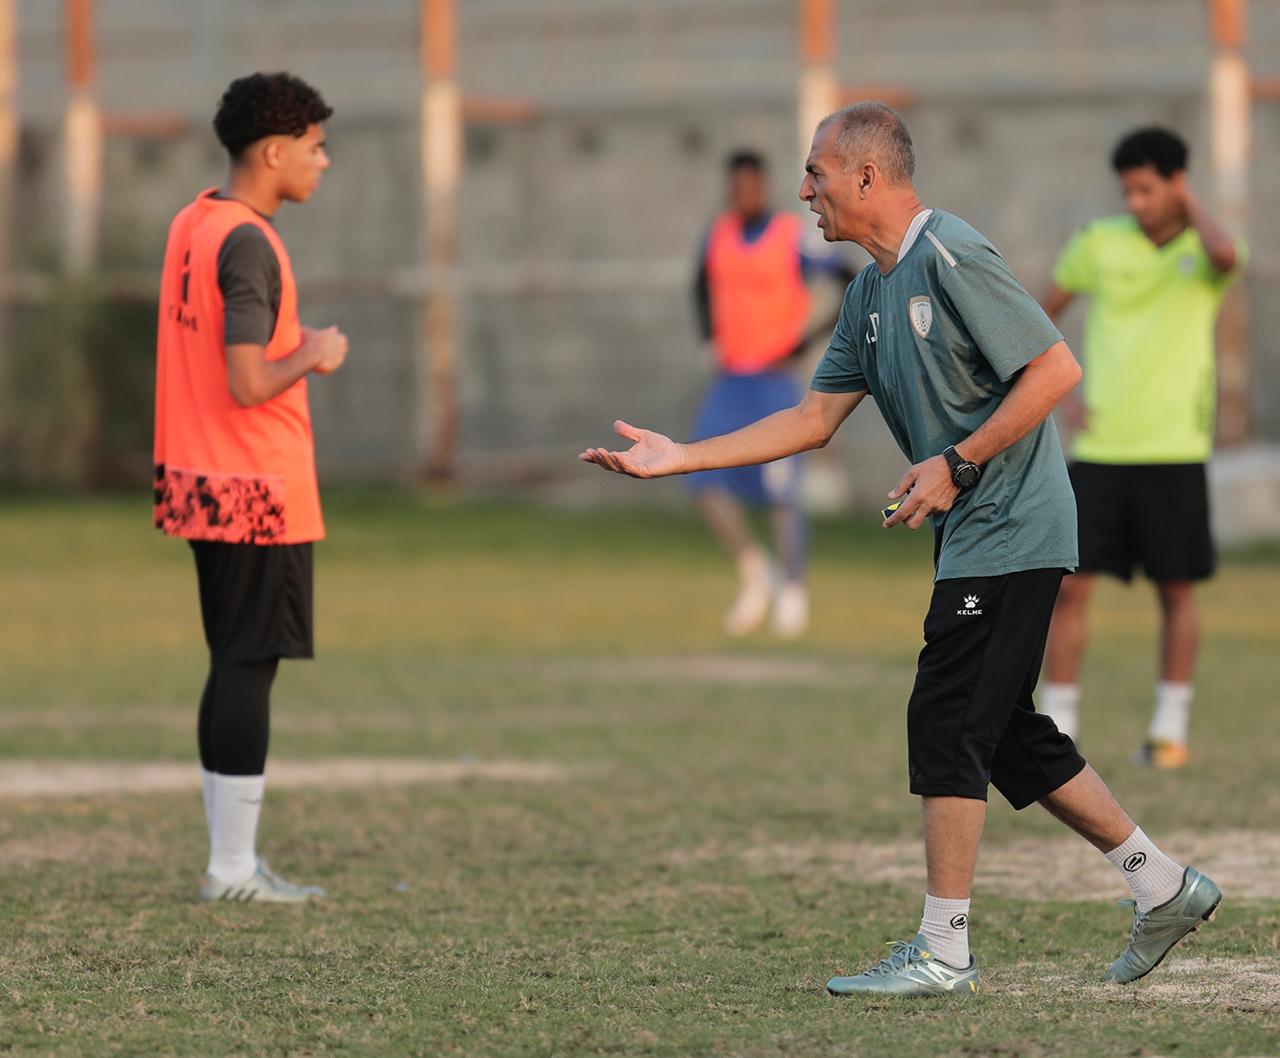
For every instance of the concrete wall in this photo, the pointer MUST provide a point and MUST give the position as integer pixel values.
(579, 223)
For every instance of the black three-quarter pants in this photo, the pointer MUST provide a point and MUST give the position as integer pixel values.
(256, 604)
(971, 721)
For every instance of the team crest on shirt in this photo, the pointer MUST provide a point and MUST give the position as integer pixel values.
(1187, 264)
(920, 309)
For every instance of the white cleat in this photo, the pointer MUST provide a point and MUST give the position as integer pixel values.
(791, 611)
(263, 887)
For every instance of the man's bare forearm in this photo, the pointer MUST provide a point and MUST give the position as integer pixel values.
(783, 433)
(254, 379)
(1218, 245)
(284, 372)
(1043, 382)
(808, 425)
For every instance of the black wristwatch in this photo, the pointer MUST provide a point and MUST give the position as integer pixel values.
(963, 473)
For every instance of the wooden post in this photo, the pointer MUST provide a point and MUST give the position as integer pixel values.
(441, 136)
(82, 140)
(1230, 99)
(8, 131)
(817, 94)
(8, 160)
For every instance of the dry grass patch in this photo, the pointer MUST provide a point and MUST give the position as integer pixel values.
(24, 779)
(1245, 863)
(736, 669)
(1218, 985)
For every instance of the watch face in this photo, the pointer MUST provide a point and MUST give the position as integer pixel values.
(966, 475)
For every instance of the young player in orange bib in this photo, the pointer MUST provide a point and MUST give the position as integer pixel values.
(234, 457)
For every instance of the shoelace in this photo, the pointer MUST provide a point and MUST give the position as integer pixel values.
(275, 879)
(268, 873)
(897, 949)
(1139, 917)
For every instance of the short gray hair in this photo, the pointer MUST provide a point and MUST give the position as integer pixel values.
(874, 132)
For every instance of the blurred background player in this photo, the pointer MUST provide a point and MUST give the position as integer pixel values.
(235, 462)
(753, 309)
(1156, 278)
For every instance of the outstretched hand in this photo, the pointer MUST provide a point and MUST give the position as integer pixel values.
(651, 456)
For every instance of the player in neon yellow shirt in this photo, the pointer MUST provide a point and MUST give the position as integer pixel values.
(1156, 278)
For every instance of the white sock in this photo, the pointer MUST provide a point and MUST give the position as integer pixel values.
(1061, 703)
(1173, 712)
(945, 925)
(206, 778)
(1153, 877)
(237, 801)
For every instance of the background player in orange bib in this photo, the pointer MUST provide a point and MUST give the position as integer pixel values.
(234, 457)
(753, 308)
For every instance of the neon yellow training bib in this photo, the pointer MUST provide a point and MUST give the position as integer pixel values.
(1149, 384)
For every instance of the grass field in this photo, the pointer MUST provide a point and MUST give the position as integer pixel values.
(685, 837)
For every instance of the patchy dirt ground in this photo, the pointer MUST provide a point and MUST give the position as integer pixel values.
(1218, 985)
(1245, 863)
(733, 669)
(53, 778)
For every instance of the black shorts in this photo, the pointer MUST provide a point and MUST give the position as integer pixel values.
(1155, 516)
(971, 721)
(255, 600)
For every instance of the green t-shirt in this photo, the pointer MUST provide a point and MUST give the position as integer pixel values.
(938, 341)
(1149, 389)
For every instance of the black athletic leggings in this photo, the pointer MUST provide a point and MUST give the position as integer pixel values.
(235, 716)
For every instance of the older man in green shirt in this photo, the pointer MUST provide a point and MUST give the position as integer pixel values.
(1156, 278)
(965, 369)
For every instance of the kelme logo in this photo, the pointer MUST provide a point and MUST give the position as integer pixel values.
(1135, 861)
(970, 607)
(959, 921)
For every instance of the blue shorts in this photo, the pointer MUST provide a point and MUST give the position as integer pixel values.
(735, 401)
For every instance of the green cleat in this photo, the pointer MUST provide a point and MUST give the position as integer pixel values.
(1155, 932)
(910, 970)
(265, 887)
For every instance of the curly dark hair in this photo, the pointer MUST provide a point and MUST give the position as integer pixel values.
(1164, 151)
(266, 104)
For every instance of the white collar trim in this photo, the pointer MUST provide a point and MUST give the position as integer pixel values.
(913, 232)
